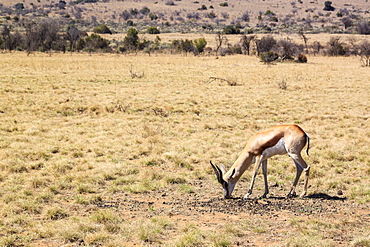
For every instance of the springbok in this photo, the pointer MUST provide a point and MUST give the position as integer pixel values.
(278, 140)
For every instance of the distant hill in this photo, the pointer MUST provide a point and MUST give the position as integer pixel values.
(196, 16)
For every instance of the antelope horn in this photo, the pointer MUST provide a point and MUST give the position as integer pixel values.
(218, 173)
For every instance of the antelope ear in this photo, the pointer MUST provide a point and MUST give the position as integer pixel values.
(223, 169)
(232, 174)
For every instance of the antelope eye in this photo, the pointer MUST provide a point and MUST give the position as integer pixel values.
(225, 185)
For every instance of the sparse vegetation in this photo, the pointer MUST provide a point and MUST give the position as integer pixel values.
(113, 149)
(118, 160)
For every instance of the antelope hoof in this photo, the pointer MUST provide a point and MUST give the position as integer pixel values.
(246, 196)
(303, 194)
(292, 194)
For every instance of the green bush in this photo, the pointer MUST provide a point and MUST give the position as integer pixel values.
(102, 29)
(153, 30)
(231, 30)
(200, 44)
(269, 57)
(211, 15)
(203, 7)
(153, 16)
(131, 41)
(94, 42)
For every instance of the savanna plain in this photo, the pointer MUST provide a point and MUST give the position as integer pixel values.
(114, 150)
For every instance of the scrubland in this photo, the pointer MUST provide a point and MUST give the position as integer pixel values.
(80, 130)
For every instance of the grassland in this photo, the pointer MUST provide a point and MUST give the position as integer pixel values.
(78, 131)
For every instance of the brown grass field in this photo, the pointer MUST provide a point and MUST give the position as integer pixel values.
(90, 156)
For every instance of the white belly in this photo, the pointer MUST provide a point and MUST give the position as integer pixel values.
(279, 148)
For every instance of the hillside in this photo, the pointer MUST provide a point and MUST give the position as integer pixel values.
(195, 16)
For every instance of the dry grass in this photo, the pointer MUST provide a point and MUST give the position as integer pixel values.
(78, 128)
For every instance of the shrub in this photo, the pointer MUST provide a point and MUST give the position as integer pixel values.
(19, 6)
(236, 49)
(336, 47)
(231, 30)
(183, 45)
(94, 41)
(224, 4)
(153, 16)
(203, 7)
(245, 17)
(363, 27)
(269, 57)
(125, 15)
(145, 11)
(200, 44)
(153, 30)
(328, 6)
(102, 29)
(288, 49)
(266, 44)
(302, 58)
(211, 15)
(347, 22)
(170, 3)
(269, 13)
(134, 12)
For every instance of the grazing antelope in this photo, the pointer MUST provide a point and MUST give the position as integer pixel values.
(282, 139)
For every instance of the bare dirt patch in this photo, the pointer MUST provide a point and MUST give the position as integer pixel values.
(267, 221)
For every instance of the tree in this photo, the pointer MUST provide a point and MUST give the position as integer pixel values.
(347, 22)
(220, 40)
(362, 49)
(304, 37)
(336, 47)
(31, 41)
(265, 44)
(288, 49)
(246, 43)
(73, 35)
(364, 52)
(48, 31)
(131, 41)
(316, 47)
(6, 38)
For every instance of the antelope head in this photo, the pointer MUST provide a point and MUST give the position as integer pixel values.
(227, 185)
